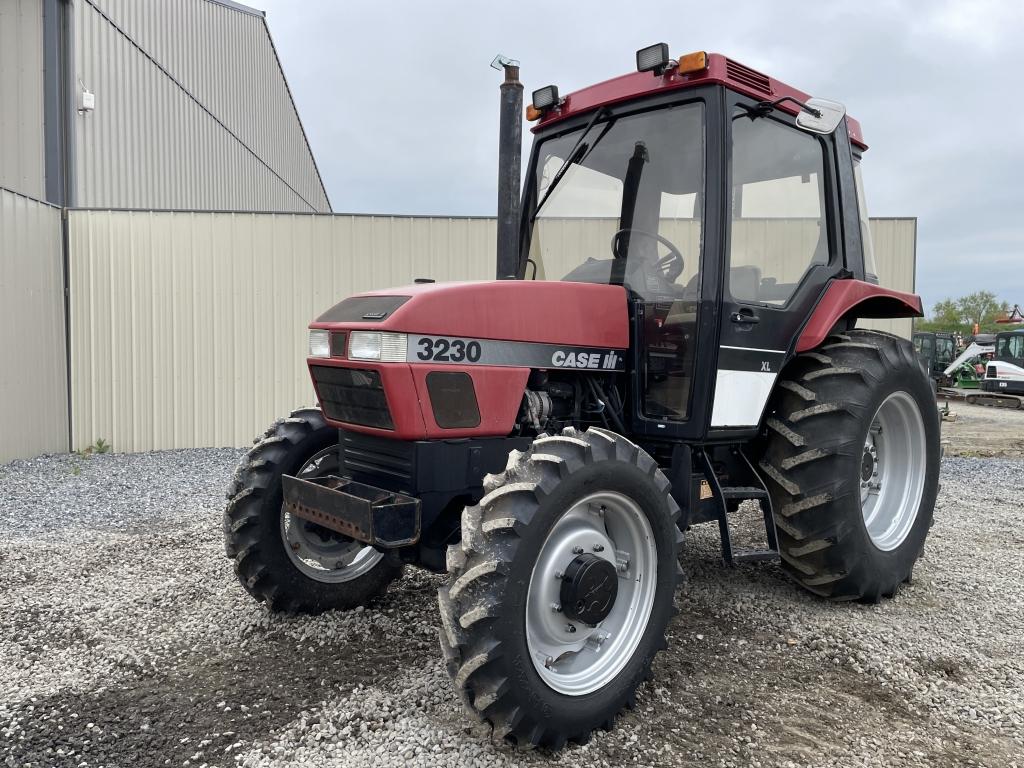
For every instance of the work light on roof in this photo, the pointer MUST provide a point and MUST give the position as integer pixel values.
(546, 97)
(653, 58)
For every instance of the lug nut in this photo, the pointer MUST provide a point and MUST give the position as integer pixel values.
(571, 628)
(577, 550)
(295, 546)
(559, 574)
(556, 608)
(599, 548)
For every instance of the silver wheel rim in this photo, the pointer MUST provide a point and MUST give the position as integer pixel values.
(571, 657)
(318, 553)
(892, 471)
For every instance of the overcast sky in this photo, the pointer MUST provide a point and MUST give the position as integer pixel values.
(400, 104)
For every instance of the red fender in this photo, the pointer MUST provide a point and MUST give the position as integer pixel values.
(855, 298)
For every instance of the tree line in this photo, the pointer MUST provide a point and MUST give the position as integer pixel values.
(961, 315)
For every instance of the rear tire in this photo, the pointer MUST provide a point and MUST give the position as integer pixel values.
(499, 620)
(255, 526)
(851, 460)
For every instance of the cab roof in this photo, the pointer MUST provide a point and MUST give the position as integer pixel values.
(721, 70)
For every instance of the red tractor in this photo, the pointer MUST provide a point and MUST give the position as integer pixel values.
(680, 337)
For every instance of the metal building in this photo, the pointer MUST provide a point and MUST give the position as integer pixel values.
(152, 104)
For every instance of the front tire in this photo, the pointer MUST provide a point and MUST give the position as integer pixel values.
(852, 463)
(290, 564)
(561, 588)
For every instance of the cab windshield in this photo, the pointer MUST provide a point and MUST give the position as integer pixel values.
(629, 207)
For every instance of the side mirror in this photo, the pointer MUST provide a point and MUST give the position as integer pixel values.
(830, 113)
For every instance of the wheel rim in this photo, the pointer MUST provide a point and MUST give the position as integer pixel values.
(319, 553)
(892, 471)
(583, 659)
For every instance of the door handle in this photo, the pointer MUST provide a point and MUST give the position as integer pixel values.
(745, 317)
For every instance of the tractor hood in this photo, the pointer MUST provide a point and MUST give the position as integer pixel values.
(578, 314)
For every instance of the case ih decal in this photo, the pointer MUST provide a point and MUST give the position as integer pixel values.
(461, 351)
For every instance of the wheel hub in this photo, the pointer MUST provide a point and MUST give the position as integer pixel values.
(591, 593)
(893, 469)
(589, 587)
(867, 466)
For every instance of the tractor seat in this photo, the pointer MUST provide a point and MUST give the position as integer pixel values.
(745, 283)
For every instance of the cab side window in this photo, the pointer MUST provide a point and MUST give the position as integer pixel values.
(778, 227)
(1011, 347)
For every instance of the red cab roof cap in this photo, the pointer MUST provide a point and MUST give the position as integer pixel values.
(721, 70)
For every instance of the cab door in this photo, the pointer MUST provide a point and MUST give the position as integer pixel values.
(781, 247)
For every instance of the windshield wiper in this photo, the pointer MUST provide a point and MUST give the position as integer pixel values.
(577, 153)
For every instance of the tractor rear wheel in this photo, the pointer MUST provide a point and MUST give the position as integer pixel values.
(852, 462)
(291, 564)
(561, 588)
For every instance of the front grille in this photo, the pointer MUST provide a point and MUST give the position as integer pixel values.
(351, 395)
(381, 461)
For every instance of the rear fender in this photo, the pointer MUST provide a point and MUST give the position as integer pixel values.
(852, 300)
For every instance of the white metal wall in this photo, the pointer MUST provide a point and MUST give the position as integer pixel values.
(22, 166)
(895, 243)
(189, 329)
(33, 374)
(192, 111)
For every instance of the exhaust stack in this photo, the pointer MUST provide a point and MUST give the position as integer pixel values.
(510, 142)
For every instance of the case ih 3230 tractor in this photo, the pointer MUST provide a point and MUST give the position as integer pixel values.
(681, 337)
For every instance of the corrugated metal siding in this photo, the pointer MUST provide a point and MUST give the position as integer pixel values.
(188, 329)
(895, 243)
(149, 145)
(22, 163)
(33, 376)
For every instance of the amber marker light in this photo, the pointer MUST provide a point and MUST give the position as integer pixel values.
(692, 62)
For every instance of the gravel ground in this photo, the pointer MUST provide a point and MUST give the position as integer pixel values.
(125, 641)
(982, 431)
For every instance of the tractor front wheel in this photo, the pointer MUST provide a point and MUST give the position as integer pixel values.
(291, 564)
(561, 588)
(852, 463)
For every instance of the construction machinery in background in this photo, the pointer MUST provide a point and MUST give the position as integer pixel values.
(1003, 383)
(936, 350)
(546, 439)
(1013, 317)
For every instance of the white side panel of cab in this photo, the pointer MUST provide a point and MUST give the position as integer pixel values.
(740, 397)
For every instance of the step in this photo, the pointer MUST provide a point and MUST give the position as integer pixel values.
(754, 555)
(744, 492)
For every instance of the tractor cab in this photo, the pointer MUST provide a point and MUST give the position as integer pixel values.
(722, 200)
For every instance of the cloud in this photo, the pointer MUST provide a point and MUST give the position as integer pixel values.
(401, 106)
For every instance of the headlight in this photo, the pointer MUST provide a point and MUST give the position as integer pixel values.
(319, 343)
(375, 345)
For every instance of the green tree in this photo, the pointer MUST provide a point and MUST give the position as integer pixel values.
(981, 308)
(946, 313)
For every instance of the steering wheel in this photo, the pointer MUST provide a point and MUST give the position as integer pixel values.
(671, 264)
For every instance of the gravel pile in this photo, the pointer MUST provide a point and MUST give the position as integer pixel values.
(125, 641)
